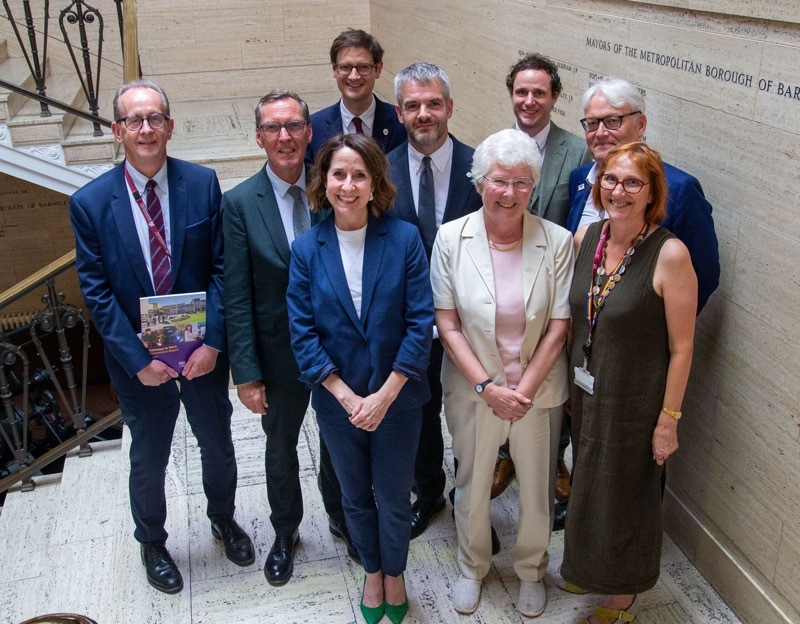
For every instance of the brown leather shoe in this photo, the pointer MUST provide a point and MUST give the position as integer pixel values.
(503, 472)
(563, 488)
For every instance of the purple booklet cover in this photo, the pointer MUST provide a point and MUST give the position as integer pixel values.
(173, 326)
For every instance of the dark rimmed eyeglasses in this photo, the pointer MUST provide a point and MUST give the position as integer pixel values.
(611, 122)
(273, 129)
(629, 185)
(156, 121)
(363, 69)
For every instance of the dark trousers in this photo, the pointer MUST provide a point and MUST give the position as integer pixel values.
(375, 470)
(429, 477)
(151, 413)
(288, 401)
(328, 485)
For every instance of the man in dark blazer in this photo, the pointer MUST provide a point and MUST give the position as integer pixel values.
(357, 61)
(618, 103)
(262, 216)
(424, 106)
(151, 226)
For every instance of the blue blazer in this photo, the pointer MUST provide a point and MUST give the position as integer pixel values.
(394, 330)
(462, 197)
(688, 218)
(387, 129)
(112, 270)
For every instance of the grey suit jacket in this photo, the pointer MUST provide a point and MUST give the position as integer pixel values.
(564, 152)
(257, 258)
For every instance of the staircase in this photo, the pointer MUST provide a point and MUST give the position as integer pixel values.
(60, 152)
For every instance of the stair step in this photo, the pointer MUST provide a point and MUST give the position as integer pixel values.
(28, 127)
(15, 71)
(81, 147)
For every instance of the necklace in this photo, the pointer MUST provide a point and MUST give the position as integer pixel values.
(512, 246)
(603, 283)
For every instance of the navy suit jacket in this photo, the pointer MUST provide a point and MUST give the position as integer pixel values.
(112, 270)
(688, 218)
(462, 196)
(256, 278)
(387, 129)
(394, 330)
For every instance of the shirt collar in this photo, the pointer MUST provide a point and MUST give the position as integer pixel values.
(591, 176)
(367, 117)
(439, 158)
(140, 180)
(542, 136)
(280, 186)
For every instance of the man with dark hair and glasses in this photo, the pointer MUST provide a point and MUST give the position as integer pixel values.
(261, 218)
(614, 114)
(152, 226)
(357, 61)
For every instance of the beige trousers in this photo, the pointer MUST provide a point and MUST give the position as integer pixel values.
(533, 443)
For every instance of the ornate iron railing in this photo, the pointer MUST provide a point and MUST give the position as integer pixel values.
(18, 381)
(82, 27)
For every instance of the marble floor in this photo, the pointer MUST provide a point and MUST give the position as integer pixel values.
(68, 547)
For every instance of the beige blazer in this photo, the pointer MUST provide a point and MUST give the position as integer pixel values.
(463, 280)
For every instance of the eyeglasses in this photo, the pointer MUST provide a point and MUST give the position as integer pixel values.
(363, 69)
(156, 121)
(501, 184)
(611, 122)
(629, 185)
(273, 129)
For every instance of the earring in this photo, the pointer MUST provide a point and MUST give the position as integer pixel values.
(370, 197)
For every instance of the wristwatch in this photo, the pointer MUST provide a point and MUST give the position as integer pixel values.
(482, 386)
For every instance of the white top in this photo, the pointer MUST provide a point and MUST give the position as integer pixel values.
(286, 201)
(142, 230)
(367, 119)
(441, 165)
(540, 138)
(351, 248)
(591, 213)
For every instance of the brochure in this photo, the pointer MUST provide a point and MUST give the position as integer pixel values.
(173, 326)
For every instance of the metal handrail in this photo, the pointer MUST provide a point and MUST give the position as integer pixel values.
(56, 104)
(33, 281)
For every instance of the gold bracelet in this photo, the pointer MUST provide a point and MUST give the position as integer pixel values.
(675, 414)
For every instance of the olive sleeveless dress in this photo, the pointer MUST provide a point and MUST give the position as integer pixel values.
(612, 543)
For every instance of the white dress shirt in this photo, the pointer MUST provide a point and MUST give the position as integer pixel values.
(591, 213)
(286, 201)
(441, 165)
(367, 119)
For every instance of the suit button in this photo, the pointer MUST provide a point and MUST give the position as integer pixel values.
(363, 344)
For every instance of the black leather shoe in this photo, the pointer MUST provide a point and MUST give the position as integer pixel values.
(238, 545)
(422, 514)
(162, 573)
(560, 516)
(340, 530)
(495, 542)
(279, 565)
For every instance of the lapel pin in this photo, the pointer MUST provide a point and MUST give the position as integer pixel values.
(581, 187)
(386, 132)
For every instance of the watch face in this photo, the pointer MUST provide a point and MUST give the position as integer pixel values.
(479, 388)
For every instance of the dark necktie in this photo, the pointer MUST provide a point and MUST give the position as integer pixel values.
(426, 210)
(160, 264)
(359, 125)
(301, 220)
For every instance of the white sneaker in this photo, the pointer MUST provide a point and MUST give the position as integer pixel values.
(532, 598)
(466, 595)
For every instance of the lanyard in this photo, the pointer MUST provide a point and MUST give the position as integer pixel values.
(151, 226)
(599, 290)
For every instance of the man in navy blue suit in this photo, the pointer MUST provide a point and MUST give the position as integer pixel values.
(151, 226)
(430, 155)
(614, 114)
(357, 61)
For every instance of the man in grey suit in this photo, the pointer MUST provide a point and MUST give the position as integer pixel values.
(534, 86)
(430, 171)
(261, 218)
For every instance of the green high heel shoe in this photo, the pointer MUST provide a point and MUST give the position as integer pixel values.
(372, 615)
(396, 613)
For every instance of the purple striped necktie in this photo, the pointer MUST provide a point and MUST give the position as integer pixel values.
(162, 279)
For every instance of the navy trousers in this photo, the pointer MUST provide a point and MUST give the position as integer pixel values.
(376, 470)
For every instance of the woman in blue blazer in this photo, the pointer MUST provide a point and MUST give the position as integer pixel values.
(361, 317)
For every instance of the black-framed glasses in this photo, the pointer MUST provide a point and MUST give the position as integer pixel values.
(295, 127)
(629, 185)
(156, 121)
(501, 184)
(611, 122)
(363, 69)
